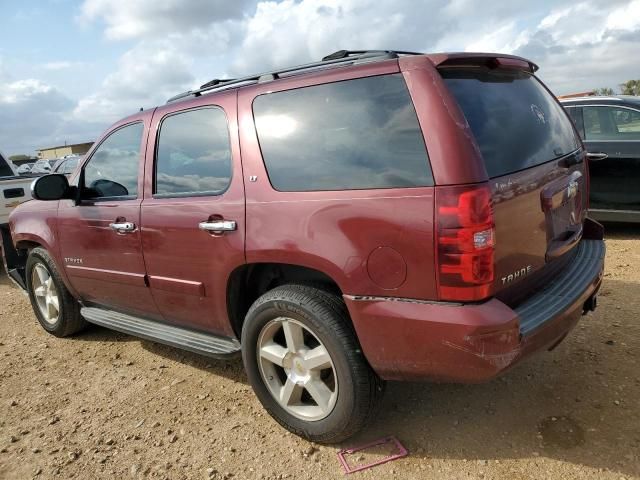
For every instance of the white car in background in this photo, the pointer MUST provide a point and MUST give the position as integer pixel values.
(14, 189)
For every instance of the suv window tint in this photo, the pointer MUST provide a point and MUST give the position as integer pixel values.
(354, 134)
(516, 122)
(611, 123)
(112, 170)
(193, 154)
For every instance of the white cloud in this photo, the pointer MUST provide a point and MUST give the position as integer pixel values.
(127, 19)
(61, 65)
(626, 17)
(146, 76)
(174, 45)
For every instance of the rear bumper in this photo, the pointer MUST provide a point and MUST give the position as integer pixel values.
(418, 340)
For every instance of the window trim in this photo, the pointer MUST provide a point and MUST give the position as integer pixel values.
(424, 140)
(209, 193)
(84, 166)
(607, 105)
(580, 126)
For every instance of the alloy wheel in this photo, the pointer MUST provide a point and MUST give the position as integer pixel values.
(45, 293)
(297, 369)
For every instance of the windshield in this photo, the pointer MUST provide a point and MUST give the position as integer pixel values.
(516, 122)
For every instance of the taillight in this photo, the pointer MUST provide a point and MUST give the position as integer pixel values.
(465, 242)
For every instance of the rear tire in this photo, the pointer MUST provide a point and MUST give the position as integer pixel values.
(305, 364)
(56, 309)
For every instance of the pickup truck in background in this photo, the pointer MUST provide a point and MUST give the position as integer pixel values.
(14, 189)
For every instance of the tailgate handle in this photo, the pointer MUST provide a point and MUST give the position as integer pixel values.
(596, 157)
(557, 248)
(14, 193)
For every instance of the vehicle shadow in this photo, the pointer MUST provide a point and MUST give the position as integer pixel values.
(621, 231)
(230, 368)
(576, 404)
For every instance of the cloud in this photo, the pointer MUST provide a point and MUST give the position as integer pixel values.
(579, 48)
(146, 76)
(34, 114)
(127, 19)
(61, 65)
(300, 31)
(172, 45)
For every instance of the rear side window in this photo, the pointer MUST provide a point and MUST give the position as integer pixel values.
(355, 134)
(515, 121)
(611, 123)
(193, 153)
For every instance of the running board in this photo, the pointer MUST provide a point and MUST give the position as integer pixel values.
(184, 338)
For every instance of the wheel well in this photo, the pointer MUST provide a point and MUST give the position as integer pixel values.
(249, 282)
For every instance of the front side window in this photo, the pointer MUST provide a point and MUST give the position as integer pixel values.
(354, 134)
(611, 123)
(193, 154)
(112, 170)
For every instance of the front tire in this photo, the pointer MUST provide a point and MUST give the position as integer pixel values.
(55, 308)
(305, 365)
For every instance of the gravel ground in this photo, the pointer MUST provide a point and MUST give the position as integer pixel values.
(107, 405)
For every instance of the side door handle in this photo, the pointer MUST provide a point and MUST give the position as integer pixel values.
(218, 226)
(596, 157)
(123, 227)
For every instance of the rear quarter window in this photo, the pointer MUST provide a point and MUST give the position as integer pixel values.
(516, 122)
(355, 134)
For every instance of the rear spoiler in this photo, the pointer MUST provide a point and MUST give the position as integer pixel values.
(491, 60)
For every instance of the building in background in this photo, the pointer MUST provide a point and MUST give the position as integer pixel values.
(62, 150)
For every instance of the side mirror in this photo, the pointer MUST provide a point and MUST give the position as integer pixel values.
(51, 187)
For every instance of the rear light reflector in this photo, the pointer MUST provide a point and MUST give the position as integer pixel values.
(465, 242)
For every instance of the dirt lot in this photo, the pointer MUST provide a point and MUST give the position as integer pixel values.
(106, 405)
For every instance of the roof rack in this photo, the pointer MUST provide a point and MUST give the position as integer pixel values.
(337, 58)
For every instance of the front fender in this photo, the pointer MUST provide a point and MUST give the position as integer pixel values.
(34, 224)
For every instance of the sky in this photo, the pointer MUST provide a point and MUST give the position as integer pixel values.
(70, 68)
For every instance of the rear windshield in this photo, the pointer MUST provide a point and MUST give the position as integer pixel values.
(516, 122)
(5, 169)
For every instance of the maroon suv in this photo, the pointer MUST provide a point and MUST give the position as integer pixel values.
(377, 215)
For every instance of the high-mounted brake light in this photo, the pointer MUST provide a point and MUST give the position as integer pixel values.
(465, 242)
(510, 63)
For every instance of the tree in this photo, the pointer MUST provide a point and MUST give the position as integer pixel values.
(603, 91)
(19, 158)
(630, 87)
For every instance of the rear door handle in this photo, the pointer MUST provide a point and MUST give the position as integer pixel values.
(596, 157)
(123, 227)
(218, 226)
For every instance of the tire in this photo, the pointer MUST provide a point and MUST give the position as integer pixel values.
(351, 391)
(68, 320)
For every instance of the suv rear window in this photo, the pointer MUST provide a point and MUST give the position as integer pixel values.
(354, 134)
(516, 122)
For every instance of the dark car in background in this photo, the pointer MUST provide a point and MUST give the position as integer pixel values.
(610, 129)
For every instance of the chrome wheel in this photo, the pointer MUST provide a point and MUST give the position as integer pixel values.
(297, 369)
(45, 293)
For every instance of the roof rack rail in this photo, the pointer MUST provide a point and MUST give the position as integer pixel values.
(336, 58)
(350, 53)
(216, 81)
